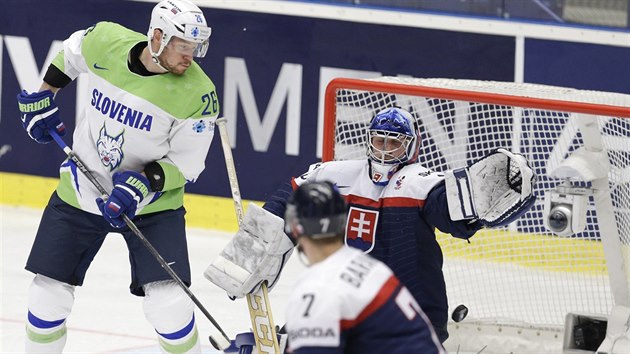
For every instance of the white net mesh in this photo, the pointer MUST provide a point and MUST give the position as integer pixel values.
(521, 274)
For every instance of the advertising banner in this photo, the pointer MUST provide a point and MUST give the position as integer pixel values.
(270, 71)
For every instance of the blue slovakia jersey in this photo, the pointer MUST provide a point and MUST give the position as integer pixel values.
(395, 224)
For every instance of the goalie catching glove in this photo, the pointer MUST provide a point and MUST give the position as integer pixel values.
(255, 254)
(496, 190)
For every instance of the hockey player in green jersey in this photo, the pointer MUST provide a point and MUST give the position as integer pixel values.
(145, 132)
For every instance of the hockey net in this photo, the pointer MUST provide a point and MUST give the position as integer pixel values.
(518, 282)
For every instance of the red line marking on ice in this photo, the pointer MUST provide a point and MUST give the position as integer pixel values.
(77, 329)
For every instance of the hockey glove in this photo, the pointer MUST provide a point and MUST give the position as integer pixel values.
(245, 343)
(496, 190)
(130, 188)
(40, 114)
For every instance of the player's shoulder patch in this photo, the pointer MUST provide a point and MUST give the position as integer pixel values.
(414, 181)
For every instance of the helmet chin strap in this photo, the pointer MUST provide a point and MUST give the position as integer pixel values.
(155, 56)
(156, 61)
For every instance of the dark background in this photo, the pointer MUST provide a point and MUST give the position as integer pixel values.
(270, 41)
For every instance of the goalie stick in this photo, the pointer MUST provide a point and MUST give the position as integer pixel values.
(219, 343)
(259, 310)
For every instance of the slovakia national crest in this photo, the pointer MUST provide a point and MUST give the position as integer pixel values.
(377, 177)
(110, 148)
(361, 228)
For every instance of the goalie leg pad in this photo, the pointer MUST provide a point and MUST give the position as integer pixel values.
(49, 304)
(255, 254)
(496, 189)
(171, 312)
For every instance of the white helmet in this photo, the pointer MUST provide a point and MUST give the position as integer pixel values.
(182, 19)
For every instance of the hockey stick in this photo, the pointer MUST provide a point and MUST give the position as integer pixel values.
(259, 309)
(222, 342)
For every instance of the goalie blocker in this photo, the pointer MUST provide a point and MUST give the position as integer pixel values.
(496, 190)
(255, 254)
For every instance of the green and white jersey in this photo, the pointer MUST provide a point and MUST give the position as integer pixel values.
(131, 120)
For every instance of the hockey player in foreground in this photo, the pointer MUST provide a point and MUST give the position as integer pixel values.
(395, 206)
(145, 133)
(346, 301)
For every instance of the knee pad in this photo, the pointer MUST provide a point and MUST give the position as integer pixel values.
(49, 299)
(49, 304)
(167, 307)
(171, 312)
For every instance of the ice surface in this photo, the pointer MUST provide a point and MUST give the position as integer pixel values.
(106, 318)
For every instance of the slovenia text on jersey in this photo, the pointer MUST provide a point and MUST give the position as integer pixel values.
(120, 112)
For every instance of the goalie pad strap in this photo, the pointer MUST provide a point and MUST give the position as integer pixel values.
(231, 269)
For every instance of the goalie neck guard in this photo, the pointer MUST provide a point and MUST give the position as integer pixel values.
(182, 19)
(392, 142)
(316, 210)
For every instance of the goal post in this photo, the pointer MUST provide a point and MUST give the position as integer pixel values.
(519, 282)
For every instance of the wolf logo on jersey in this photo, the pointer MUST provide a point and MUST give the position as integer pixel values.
(361, 228)
(110, 148)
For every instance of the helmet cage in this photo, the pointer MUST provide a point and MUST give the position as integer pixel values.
(392, 140)
(182, 19)
(393, 124)
(388, 154)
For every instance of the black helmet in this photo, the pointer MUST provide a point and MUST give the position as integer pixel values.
(316, 210)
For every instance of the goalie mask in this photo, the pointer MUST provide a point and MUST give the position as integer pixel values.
(316, 210)
(182, 19)
(392, 142)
